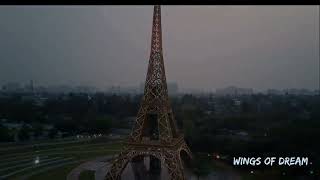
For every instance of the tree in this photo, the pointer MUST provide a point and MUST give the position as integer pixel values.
(200, 166)
(52, 133)
(5, 134)
(24, 133)
(101, 125)
(38, 130)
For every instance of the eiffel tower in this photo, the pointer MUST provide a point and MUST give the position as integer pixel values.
(154, 134)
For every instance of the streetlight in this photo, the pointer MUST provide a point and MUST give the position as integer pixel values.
(37, 160)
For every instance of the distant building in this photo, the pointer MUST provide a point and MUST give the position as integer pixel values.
(173, 88)
(130, 121)
(60, 89)
(234, 91)
(233, 134)
(123, 90)
(11, 87)
(131, 90)
(13, 126)
(274, 92)
(298, 91)
(85, 89)
(29, 88)
(219, 108)
(236, 102)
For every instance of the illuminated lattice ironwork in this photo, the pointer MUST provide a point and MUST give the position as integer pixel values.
(168, 143)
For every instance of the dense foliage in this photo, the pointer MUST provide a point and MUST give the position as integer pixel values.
(248, 125)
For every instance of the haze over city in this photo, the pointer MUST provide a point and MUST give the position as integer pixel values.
(205, 47)
(83, 92)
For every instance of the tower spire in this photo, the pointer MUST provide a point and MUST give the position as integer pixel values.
(156, 40)
(156, 85)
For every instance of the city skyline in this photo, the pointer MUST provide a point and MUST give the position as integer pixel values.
(211, 47)
(173, 89)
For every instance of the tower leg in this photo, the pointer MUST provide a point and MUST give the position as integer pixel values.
(173, 162)
(169, 158)
(118, 165)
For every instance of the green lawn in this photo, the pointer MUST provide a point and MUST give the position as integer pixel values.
(73, 154)
(54, 174)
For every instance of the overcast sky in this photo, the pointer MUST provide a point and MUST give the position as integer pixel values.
(205, 47)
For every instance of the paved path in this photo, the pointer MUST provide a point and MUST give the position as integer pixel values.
(214, 175)
(98, 165)
(102, 165)
(101, 173)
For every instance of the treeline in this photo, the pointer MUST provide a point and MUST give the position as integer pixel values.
(269, 124)
(71, 114)
(278, 126)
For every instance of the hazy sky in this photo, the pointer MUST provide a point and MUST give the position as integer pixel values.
(205, 47)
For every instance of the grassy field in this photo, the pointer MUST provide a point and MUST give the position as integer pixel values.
(48, 160)
(58, 158)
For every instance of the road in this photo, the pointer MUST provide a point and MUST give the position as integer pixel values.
(101, 166)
